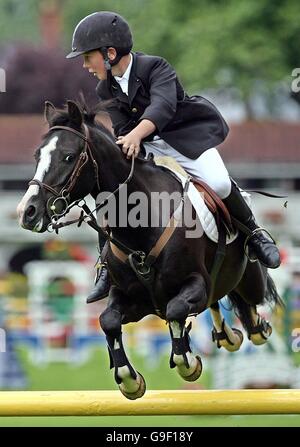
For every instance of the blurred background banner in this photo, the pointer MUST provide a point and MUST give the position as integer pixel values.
(243, 56)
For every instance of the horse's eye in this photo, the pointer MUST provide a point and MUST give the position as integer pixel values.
(69, 158)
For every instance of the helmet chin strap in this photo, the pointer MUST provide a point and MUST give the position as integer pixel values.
(107, 65)
(107, 62)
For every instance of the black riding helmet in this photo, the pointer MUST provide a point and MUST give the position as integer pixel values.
(101, 30)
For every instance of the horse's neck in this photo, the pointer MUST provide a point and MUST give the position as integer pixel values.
(114, 169)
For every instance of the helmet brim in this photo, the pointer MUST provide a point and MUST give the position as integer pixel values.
(74, 54)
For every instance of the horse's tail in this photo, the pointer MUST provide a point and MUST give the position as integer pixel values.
(242, 309)
(271, 296)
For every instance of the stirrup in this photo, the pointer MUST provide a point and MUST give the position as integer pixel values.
(253, 233)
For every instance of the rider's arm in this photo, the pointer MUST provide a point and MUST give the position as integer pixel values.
(131, 142)
(163, 94)
(161, 110)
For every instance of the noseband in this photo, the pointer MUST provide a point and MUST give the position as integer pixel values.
(64, 194)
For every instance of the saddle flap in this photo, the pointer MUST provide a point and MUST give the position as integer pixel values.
(213, 202)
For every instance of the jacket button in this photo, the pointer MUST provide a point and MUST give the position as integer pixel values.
(134, 110)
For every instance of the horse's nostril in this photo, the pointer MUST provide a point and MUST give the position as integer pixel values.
(31, 211)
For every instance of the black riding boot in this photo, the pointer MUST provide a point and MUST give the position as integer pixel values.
(102, 285)
(102, 282)
(263, 247)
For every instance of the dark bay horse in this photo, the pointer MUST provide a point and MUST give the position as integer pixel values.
(77, 157)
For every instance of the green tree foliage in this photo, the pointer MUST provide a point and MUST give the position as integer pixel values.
(243, 46)
(19, 20)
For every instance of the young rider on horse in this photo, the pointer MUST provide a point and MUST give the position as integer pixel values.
(151, 108)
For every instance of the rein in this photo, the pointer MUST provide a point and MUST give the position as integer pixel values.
(64, 194)
(140, 262)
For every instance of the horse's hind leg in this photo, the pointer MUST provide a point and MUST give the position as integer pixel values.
(222, 334)
(256, 287)
(131, 383)
(261, 329)
(258, 329)
(191, 300)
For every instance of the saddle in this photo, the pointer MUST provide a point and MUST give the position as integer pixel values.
(142, 263)
(215, 205)
(213, 202)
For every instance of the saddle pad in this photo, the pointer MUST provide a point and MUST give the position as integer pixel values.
(204, 214)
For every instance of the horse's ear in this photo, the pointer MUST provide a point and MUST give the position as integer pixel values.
(75, 113)
(49, 111)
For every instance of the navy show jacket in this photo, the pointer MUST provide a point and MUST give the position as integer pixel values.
(190, 124)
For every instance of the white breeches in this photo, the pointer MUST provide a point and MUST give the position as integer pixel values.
(209, 167)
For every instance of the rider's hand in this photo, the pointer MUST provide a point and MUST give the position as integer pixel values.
(130, 144)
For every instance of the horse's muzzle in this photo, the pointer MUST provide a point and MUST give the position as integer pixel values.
(33, 219)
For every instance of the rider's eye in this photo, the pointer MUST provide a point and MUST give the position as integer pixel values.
(69, 158)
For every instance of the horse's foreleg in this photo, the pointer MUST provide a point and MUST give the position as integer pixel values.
(191, 300)
(131, 383)
(222, 334)
(188, 365)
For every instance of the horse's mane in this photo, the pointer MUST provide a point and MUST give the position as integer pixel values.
(61, 116)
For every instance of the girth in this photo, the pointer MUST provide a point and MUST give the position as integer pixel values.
(142, 264)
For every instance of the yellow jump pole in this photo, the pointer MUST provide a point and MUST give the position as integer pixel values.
(163, 402)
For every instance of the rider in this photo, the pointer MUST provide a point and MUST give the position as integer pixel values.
(151, 107)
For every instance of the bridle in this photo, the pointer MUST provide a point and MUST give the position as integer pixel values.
(64, 194)
(138, 260)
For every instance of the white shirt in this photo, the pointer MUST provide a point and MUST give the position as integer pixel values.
(123, 80)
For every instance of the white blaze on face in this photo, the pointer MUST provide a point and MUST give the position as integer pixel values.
(42, 168)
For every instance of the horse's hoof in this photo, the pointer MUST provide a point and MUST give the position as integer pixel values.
(140, 390)
(261, 337)
(195, 374)
(229, 338)
(236, 343)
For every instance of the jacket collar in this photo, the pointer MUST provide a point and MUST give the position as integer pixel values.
(134, 84)
(134, 81)
(126, 75)
(104, 89)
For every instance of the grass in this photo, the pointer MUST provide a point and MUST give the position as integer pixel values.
(95, 374)
(153, 421)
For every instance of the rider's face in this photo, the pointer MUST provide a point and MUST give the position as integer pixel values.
(93, 61)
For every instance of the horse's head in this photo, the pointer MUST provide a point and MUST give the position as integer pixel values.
(63, 157)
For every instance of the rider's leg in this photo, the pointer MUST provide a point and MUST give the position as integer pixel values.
(209, 167)
(264, 248)
(213, 171)
(102, 283)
